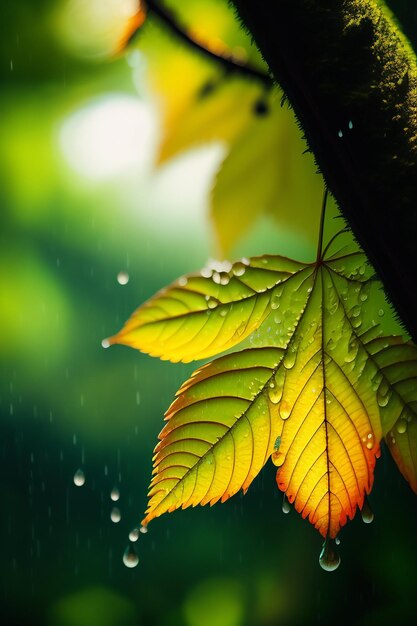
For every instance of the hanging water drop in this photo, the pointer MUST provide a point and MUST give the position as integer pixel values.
(286, 507)
(79, 478)
(239, 268)
(122, 278)
(143, 529)
(290, 358)
(115, 494)
(130, 558)
(401, 426)
(105, 343)
(329, 559)
(212, 303)
(134, 534)
(340, 134)
(366, 512)
(284, 410)
(115, 515)
(274, 392)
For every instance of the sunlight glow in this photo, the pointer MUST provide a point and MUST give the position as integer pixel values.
(110, 136)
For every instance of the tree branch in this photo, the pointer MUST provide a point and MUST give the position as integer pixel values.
(352, 81)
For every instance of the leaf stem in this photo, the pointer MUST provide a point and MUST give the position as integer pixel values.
(227, 60)
(319, 258)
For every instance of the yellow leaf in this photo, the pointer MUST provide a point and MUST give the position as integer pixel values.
(204, 314)
(221, 430)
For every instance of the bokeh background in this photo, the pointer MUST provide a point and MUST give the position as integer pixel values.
(84, 197)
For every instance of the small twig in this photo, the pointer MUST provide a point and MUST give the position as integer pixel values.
(228, 61)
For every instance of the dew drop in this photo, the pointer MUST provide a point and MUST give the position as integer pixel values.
(182, 281)
(79, 478)
(289, 359)
(284, 410)
(143, 529)
(239, 268)
(212, 303)
(130, 558)
(350, 125)
(286, 507)
(383, 394)
(329, 559)
(340, 133)
(122, 278)
(115, 494)
(366, 512)
(401, 426)
(206, 272)
(363, 296)
(224, 278)
(115, 515)
(337, 541)
(275, 393)
(381, 312)
(134, 534)
(105, 343)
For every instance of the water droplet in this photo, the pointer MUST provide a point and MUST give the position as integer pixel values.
(79, 478)
(383, 394)
(105, 343)
(284, 410)
(134, 534)
(337, 541)
(216, 278)
(224, 278)
(350, 125)
(143, 530)
(363, 296)
(130, 558)
(329, 559)
(275, 393)
(223, 311)
(239, 268)
(122, 278)
(115, 494)
(366, 512)
(206, 272)
(401, 426)
(286, 507)
(182, 281)
(115, 515)
(356, 310)
(290, 358)
(381, 312)
(340, 133)
(212, 303)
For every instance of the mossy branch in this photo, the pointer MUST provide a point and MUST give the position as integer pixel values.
(352, 81)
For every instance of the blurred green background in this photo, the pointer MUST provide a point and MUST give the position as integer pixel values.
(80, 202)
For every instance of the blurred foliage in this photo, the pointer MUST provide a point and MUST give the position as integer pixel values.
(66, 403)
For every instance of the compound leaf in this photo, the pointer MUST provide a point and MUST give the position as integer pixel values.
(316, 391)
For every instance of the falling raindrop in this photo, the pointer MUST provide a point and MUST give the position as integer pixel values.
(130, 558)
(79, 478)
(115, 515)
(366, 512)
(134, 534)
(350, 125)
(122, 278)
(329, 559)
(115, 494)
(286, 507)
